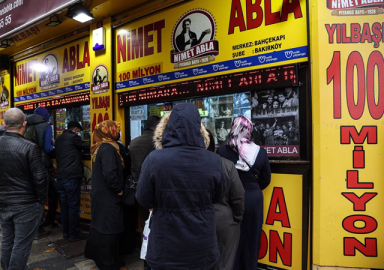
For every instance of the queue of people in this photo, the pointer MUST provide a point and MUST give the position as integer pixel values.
(207, 207)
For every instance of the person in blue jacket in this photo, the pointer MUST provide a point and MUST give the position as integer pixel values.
(44, 139)
(181, 182)
(252, 164)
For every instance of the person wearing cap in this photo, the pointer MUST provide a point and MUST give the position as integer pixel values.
(69, 147)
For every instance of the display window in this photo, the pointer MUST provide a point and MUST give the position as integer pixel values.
(79, 114)
(274, 114)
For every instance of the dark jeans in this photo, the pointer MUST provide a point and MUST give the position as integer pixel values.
(19, 225)
(69, 192)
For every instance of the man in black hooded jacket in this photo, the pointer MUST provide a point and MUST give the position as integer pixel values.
(181, 182)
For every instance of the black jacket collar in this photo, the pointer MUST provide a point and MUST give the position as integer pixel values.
(12, 134)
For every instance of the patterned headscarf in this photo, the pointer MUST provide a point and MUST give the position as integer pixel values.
(106, 132)
(239, 139)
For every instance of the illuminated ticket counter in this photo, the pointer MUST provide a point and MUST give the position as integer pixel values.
(230, 65)
(270, 97)
(59, 80)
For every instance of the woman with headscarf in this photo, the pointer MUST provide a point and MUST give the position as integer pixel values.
(181, 182)
(252, 164)
(107, 188)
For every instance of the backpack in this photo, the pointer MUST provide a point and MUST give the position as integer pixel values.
(30, 133)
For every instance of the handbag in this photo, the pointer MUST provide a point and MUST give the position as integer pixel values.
(146, 233)
(129, 192)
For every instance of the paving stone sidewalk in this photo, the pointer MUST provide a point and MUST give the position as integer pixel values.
(44, 256)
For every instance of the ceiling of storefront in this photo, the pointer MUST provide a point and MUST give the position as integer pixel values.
(39, 34)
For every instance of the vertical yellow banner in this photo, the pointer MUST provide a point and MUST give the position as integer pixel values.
(101, 73)
(5, 93)
(281, 239)
(348, 106)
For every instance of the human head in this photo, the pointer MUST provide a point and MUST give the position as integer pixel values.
(284, 126)
(241, 128)
(222, 124)
(183, 127)
(281, 97)
(14, 120)
(290, 123)
(106, 131)
(186, 24)
(270, 99)
(74, 126)
(97, 71)
(160, 128)
(262, 125)
(46, 61)
(275, 104)
(43, 112)
(205, 121)
(152, 122)
(267, 126)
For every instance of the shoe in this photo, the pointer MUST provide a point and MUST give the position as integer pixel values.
(41, 232)
(79, 236)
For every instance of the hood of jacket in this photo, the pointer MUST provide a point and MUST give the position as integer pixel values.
(181, 127)
(35, 119)
(43, 112)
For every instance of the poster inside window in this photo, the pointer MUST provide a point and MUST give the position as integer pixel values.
(275, 116)
(274, 113)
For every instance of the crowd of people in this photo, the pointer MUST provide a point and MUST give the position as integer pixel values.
(207, 207)
(279, 133)
(276, 100)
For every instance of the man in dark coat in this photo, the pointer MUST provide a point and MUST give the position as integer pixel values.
(181, 182)
(69, 147)
(40, 119)
(23, 191)
(139, 149)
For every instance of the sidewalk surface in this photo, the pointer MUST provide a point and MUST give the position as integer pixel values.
(44, 256)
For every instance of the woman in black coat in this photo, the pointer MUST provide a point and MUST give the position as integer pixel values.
(252, 164)
(181, 182)
(106, 208)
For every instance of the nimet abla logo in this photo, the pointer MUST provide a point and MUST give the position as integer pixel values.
(193, 39)
(49, 74)
(355, 7)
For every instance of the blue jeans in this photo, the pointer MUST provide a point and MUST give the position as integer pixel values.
(19, 225)
(69, 192)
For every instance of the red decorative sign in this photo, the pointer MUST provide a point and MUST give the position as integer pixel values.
(339, 4)
(16, 15)
(207, 48)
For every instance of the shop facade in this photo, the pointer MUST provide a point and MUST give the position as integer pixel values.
(280, 63)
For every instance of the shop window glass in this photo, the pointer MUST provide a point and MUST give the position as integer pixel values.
(274, 114)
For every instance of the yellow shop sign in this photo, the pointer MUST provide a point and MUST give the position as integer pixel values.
(186, 42)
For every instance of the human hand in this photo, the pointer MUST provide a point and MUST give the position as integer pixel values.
(120, 193)
(208, 31)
